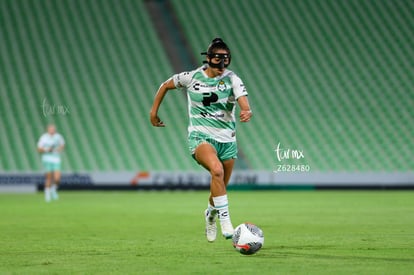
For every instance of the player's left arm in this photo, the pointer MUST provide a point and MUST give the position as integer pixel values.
(61, 145)
(240, 92)
(60, 148)
(245, 111)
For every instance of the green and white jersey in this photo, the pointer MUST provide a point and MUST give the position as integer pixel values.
(211, 102)
(53, 142)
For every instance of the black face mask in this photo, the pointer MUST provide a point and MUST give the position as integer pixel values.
(224, 62)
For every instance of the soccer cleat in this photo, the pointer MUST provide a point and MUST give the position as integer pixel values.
(227, 229)
(55, 196)
(47, 195)
(211, 226)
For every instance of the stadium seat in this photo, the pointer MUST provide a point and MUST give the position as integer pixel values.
(333, 79)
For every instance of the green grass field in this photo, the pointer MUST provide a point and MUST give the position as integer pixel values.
(323, 232)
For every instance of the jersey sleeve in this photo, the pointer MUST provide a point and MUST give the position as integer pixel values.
(238, 87)
(41, 142)
(61, 140)
(182, 79)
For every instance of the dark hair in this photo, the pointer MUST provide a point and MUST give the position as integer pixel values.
(217, 43)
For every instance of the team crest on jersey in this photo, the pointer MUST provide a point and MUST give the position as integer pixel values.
(221, 86)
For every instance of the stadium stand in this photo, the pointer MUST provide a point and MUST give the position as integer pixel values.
(331, 78)
(100, 60)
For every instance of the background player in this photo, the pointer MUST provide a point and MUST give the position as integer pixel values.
(212, 93)
(51, 145)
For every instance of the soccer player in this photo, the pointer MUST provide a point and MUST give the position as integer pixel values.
(51, 145)
(212, 92)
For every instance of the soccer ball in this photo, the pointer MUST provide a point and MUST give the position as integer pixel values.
(247, 238)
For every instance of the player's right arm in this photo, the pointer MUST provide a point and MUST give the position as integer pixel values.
(159, 96)
(181, 80)
(41, 148)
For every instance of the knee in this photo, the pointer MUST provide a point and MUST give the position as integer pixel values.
(217, 171)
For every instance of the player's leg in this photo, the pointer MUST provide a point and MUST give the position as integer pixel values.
(206, 155)
(48, 182)
(228, 169)
(226, 225)
(227, 152)
(55, 184)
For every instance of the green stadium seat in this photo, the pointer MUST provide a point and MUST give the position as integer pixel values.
(332, 78)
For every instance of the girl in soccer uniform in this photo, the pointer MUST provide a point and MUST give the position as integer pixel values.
(212, 92)
(50, 145)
